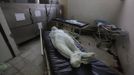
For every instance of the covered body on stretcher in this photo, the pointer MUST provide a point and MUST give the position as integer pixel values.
(66, 47)
(60, 65)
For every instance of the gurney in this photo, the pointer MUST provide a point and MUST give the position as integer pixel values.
(59, 65)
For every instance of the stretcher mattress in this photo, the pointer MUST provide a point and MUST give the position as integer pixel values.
(59, 65)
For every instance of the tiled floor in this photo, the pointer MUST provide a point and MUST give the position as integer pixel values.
(90, 45)
(31, 62)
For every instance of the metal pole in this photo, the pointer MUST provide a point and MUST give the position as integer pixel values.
(37, 1)
(40, 28)
(43, 52)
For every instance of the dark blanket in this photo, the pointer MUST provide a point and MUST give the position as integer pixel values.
(59, 65)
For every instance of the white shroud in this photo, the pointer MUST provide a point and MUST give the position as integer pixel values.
(66, 47)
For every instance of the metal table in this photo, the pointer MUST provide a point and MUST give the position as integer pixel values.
(75, 23)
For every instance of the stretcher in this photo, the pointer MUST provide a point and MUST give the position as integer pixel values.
(59, 65)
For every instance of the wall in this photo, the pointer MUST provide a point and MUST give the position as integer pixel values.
(126, 21)
(89, 10)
